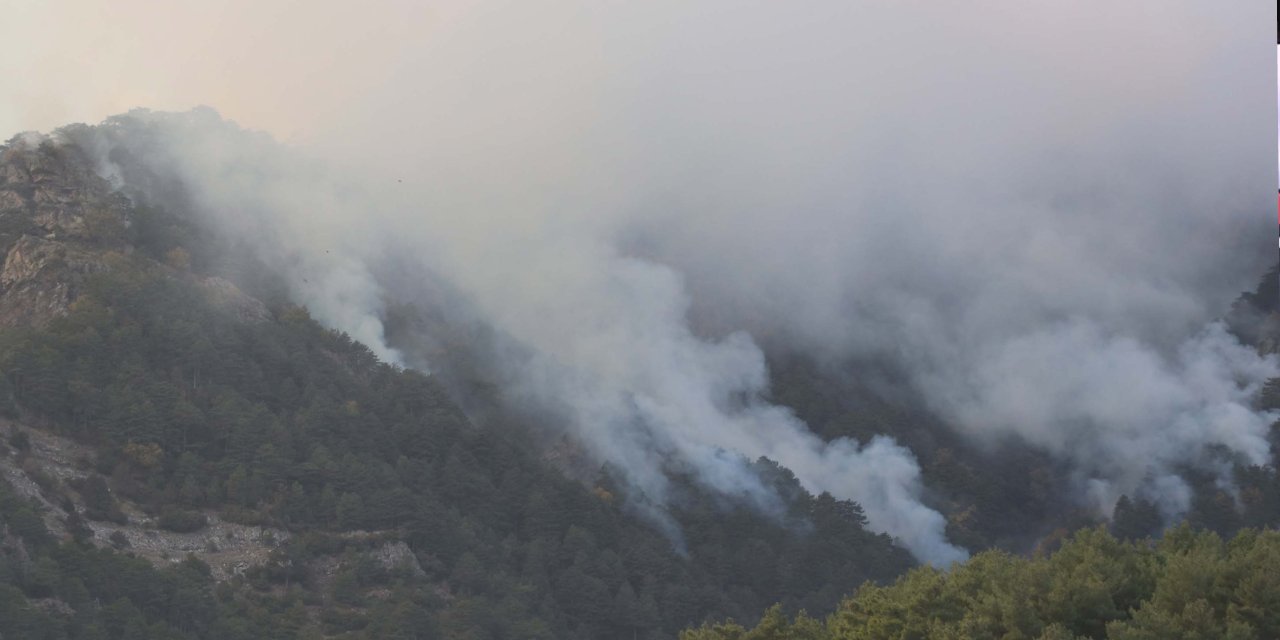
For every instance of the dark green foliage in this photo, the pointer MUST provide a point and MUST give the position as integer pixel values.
(119, 540)
(95, 594)
(1135, 519)
(1008, 495)
(1266, 297)
(20, 441)
(1002, 495)
(1190, 585)
(98, 501)
(284, 423)
(182, 521)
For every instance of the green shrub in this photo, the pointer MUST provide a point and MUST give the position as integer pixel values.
(182, 521)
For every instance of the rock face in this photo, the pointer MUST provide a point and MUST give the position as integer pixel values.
(41, 278)
(397, 556)
(59, 222)
(48, 188)
(226, 294)
(52, 462)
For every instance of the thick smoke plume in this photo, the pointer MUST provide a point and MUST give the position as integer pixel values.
(1033, 211)
(604, 337)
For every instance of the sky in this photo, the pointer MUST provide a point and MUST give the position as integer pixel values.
(1034, 211)
(284, 67)
(293, 68)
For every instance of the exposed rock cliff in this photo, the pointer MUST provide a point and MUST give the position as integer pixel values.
(59, 222)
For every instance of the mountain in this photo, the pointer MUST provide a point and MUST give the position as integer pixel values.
(1212, 576)
(190, 455)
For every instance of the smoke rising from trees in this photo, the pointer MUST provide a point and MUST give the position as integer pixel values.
(1033, 214)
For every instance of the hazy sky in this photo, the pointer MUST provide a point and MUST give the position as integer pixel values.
(291, 66)
(283, 66)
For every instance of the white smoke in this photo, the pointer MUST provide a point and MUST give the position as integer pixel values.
(299, 219)
(608, 334)
(1035, 211)
(1124, 414)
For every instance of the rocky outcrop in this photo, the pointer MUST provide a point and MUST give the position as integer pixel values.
(52, 463)
(397, 556)
(227, 547)
(50, 190)
(41, 278)
(59, 222)
(227, 295)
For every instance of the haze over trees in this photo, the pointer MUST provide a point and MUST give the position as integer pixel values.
(605, 321)
(194, 405)
(203, 391)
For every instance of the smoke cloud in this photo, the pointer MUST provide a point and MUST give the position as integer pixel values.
(1033, 211)
(604, 340)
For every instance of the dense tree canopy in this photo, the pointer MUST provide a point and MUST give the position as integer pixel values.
(1190, 585)
(195, 408)
(191, 409)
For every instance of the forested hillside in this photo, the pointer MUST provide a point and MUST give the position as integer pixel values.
(581, 320)
(1188, 585)
(198, 404)
(1215, 576)
(1011, 496)
(189, 454)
